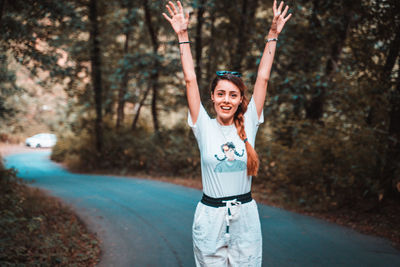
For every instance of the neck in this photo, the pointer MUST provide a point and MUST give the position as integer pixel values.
(225, 122)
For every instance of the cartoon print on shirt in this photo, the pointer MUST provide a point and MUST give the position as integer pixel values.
(228, 162)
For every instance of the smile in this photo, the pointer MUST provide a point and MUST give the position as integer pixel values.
(226, 108)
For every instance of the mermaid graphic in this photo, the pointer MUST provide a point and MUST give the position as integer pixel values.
(228, 162)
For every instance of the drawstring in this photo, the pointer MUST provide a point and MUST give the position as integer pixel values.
(228, 214)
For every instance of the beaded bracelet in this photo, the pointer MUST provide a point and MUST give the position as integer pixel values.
(186, 42)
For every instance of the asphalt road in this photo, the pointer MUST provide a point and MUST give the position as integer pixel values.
(148, 223)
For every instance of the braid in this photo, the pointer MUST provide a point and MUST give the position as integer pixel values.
(252, 157)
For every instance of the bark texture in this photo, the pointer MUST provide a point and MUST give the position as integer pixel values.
(95, 58)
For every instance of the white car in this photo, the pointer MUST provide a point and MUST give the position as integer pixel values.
(41, 140)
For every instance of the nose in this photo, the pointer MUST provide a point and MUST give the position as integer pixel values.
(226, 98)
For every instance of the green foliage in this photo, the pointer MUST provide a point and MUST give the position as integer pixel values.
(37, 230)
(8, 88)
(323, 168)
(170, 152)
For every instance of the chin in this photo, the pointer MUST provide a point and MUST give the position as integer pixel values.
(225, 116)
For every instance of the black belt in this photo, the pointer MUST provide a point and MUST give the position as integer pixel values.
(218, 202)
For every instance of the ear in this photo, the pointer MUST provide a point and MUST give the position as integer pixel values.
(212, 97)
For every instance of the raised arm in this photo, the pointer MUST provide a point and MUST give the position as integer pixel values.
(179, 22)
(264, 69)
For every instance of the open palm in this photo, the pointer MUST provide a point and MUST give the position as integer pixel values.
(179, 21)
(279, 19)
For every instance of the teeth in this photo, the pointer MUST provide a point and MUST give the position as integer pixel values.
(226, 108)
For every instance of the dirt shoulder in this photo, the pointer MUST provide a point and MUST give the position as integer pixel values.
(41, 229)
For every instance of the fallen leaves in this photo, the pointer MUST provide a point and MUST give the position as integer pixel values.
(38, 230)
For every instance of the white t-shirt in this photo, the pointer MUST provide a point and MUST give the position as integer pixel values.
(223, 153)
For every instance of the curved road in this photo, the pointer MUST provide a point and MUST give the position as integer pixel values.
(148, 223)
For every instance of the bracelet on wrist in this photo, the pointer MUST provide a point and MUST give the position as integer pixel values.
(272, 39)
(185, 42)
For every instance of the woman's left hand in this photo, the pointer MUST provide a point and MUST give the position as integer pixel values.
(279, 19)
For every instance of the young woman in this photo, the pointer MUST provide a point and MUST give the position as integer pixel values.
(226, 226)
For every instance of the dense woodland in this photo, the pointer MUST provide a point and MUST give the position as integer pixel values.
(332, 131)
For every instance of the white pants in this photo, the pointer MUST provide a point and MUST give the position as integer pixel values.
(214, 247)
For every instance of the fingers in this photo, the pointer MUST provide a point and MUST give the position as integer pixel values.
(166, 17)
(280, 7)
(173, 11)
(170, 11)
(285, 11)
(288, 17)
(173, 7)
(180, 7)
(278, 11)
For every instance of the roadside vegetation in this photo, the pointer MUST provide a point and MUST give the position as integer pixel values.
(38, 230)
(170, 151)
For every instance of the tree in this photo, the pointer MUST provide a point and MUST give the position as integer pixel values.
(96, 72)
(29, 32)
(154, 76)
(199, 40)
(131, 16)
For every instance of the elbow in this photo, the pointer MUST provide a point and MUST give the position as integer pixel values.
(190, 78)
(263, 78)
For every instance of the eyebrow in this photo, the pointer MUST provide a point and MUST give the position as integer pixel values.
(232, 91)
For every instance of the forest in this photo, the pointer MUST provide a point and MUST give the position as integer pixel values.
(331, 136)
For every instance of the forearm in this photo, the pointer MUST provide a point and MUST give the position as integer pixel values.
(186, 57)
(264, 69)
(263, 74)
(192, 90)
(179, 22)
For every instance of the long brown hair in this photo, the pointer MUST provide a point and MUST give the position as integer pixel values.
(252, 157)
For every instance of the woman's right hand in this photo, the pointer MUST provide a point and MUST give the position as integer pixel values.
(179, 21)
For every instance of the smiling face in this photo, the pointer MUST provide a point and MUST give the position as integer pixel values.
(226, 98)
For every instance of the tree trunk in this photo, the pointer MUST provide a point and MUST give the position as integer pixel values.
(211, 50)
(337, 47)
(154, 101)
(124, 87)
(141, 103)
(154, 71)
(212, 58)
(315, 108)
(244, 32)
(385, 76)
(2, 8)
(392, 56)
(96, 73)
(198, 44)
(237, 59)
(311, 36)
(388, 177)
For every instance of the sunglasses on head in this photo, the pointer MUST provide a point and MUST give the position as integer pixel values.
(224, 72)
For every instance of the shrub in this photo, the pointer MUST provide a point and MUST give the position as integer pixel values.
(322, 167)
(169, 152)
